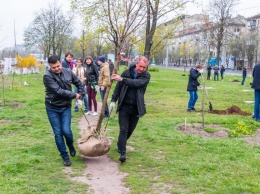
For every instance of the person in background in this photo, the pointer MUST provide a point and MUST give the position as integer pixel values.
(111, 66)
(92, 84)
(103, 80)
(58, 96)
(216, 69)
(256, 86)
(81, 72)
(209, 68)
(129, 92)
(222, 69)
(243, 75)
(66, 61)
(193, 86)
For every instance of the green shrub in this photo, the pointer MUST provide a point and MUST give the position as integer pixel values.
(153, 69)
(240, 129)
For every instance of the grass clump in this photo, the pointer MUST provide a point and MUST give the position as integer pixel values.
(210, 130)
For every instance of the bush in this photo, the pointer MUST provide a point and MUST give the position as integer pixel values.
(153, 69)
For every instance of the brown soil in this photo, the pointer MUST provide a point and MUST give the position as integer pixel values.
(233, 110)
(197, 129)
(235, 80)
(219, 132)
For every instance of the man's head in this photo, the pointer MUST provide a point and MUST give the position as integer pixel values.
(199, 67)
(141, 65)
(69, 56)
(55, 64)
(101, 59)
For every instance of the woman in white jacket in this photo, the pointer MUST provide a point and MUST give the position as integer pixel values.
(80, 71)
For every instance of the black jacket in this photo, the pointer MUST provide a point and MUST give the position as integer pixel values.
(244, 72)
(65, 63)
(222, 69)
(193, 80)
(256, 76)
(58, 88)
(129, 83)
(92, 74)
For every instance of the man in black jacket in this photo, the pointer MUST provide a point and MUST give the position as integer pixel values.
(67, 60)
(57, 82)
(256, 86)
(192, 87)
(129, 92)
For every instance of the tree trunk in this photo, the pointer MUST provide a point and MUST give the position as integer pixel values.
(101, 116)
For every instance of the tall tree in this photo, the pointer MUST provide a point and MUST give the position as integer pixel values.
(221, 11)
(156, 11)
(49, 30)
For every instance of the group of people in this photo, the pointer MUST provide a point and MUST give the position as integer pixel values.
(216, 70)
(87, 78)
(193, 85)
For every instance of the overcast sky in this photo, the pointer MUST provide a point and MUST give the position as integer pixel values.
(22, 12)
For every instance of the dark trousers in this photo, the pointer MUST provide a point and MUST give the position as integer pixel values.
(102, 94)
(91, 98)
(127, 121)
(215, 76)
(208, 77)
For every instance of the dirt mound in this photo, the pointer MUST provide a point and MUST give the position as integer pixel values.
(233, 110)
(209, 131)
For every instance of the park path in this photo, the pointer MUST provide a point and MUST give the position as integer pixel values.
(101, 173)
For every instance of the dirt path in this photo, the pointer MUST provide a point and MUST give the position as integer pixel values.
(101, 173)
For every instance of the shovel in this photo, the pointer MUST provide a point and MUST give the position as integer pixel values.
(210, 105)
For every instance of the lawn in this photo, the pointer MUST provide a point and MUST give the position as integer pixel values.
(164, 160)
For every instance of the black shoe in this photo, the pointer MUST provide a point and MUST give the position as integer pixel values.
(193, 109)
(122, 157)
(66, 162)
(190, 110)
(72, 151)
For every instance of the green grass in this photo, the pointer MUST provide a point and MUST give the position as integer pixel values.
(163, 158)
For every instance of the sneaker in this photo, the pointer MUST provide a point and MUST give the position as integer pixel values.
(122, 157)
(66, 162)
(86, 111)
(193, 109)
(89, 113)
(190, 110)
(72, 151)
(95, 114)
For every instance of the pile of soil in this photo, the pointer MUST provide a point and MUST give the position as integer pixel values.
(233, 110)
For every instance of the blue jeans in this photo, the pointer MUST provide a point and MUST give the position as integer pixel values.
(193, 99)
(257, 103)
(243, 80)
(215, 76)
(84, 99)
(60, 120)
(102, 94)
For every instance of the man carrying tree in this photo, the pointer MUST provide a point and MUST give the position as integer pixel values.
(129, 92)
